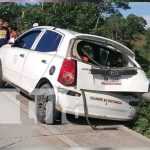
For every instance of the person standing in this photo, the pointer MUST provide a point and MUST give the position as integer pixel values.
(4, 33)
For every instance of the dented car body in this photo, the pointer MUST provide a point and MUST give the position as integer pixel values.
(111, 78)
(103, 69)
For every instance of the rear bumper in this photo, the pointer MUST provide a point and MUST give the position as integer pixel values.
(103, 105)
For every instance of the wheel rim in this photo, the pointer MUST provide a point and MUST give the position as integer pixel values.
(45, 107)
(42, 101)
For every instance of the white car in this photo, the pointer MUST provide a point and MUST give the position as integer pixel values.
(74, 73)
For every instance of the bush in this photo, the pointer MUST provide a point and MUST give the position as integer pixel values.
(142, 123)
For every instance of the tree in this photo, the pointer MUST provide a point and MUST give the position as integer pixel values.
(135, 26)
(124, 30)
(147, 46)
(83, 17)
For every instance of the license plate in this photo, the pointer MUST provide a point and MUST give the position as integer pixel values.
(111, 80)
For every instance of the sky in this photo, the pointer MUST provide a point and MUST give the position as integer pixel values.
(139, 9)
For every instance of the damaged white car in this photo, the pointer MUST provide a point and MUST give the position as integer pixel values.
(74, 73)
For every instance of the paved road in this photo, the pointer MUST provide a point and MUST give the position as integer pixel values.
(18, 129)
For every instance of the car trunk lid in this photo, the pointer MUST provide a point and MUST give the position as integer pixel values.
(110, 77)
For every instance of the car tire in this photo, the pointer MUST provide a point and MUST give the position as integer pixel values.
(2, 83)
(45, 105)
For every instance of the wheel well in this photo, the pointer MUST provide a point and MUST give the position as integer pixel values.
(43, 81)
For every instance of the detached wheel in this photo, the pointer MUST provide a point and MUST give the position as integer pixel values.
(2, 83)
(45, 105)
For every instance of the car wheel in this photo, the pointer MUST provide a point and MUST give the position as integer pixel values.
(2, 83)
(45, 105)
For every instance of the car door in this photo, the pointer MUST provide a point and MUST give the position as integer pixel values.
(17, 56)
(38, 61)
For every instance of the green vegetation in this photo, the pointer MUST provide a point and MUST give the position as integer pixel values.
(142, 124)
(91, 18)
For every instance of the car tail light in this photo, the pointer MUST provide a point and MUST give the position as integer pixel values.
(68, 74)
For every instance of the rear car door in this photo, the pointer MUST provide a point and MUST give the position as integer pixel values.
(37, 61)
(17, 56)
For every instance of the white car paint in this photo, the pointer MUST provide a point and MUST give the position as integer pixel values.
(104, 100)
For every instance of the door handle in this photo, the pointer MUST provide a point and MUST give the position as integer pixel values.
(21, 55)
(43, 61)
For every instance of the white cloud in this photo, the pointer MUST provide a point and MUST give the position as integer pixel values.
(147, 18)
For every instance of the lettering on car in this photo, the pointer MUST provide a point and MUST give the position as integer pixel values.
(105, 100)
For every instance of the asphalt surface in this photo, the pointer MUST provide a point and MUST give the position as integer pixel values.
(19, 129)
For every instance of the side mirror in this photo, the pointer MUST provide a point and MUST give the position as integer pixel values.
(11, 41)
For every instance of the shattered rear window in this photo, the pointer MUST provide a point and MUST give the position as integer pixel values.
(100, 54)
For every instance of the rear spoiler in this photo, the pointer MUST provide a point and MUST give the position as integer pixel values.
(117, 45)
(115, 71)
